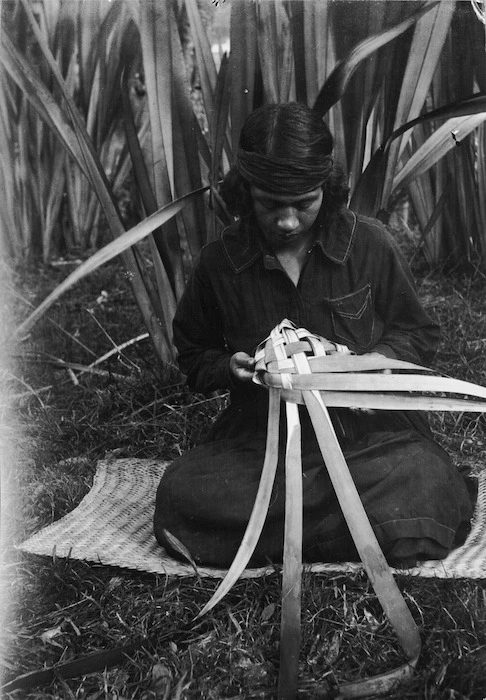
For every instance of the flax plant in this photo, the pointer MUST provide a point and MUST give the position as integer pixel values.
(49, 204)
(392, 128)
(32, 174)
(71, 128)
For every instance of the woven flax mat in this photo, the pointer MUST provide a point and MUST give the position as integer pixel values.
(113, 526)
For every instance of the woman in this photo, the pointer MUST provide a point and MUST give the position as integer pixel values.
(295, 251)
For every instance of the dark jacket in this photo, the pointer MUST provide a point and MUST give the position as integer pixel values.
(355, 289)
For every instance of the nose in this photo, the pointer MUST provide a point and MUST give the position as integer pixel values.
(287, 220)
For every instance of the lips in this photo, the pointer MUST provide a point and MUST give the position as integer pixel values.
(285, 236)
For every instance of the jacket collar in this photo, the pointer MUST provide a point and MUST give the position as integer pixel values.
(242, 245)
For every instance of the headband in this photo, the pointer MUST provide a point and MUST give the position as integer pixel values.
(283, 175)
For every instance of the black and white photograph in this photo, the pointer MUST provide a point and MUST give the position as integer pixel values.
(242, 349)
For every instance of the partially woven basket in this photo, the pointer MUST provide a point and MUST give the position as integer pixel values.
(275, 364)
(298, 367)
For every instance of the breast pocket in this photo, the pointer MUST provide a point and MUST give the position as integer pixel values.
(352, 318)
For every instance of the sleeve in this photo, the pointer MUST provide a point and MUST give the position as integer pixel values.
(198, 335)
(409, 333)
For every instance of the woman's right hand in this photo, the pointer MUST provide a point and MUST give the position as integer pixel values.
(242, 366)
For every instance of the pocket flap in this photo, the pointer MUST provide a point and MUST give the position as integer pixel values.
(352, 305)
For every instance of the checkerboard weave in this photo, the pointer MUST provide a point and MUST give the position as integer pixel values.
(113, 526)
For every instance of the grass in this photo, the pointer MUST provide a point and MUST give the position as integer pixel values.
(61, 609)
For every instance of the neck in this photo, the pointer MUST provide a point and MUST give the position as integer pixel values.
(298, 248)
(293, 261)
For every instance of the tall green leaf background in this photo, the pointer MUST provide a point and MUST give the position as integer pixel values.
(100, 94)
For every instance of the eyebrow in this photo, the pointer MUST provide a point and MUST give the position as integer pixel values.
(268, 198)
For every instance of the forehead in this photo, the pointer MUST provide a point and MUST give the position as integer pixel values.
(289, 198)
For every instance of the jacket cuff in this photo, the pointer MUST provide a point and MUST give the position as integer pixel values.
(223, 376)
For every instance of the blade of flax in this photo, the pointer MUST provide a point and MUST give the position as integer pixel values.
(343, 363)
(243, 59)
(219, 119)
(89, 20)
(443, 140)
(399, 402)
(423, 198)
(108, 252)
(219, 123)
(434, 219)
(156, 25)
(53, 199)
(167, 300)
(40, 97)
(299, 38)
(319, 61)
(157, 61)
(275, 50)
(90, 162)
(204, 55)
(481, 183)
(290, 627)
(474, 104)
(260, 508)
(428, 40)
(318, 57)
(366, 196)
(216, 94)
(385, 382)
(358, 523)
(118, 45)
(462, 208)
(367, 545)
(9, 182)
(83, 203)
(368, 100)
(337, 82)
(187, 175)
(27, 177)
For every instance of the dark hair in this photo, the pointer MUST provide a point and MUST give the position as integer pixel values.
(290, 131)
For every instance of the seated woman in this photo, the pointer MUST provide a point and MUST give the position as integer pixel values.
(297, 252)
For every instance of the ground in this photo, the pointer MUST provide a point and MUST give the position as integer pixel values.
(63, 420)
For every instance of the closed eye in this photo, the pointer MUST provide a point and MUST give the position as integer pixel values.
(268, 204)
(300, 204)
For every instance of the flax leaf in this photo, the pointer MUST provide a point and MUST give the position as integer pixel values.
(179, 547)
(243, 59)
(156, 27)
(464, 116)
(364, 538)
(108, 252)
(386, 382)
(400, 402)
(290, 627)
(447, 136)
(275, 50)
(187, 175)
(40, 97)
(166, 302)
(204, 56)
(428, 40)
(337, 82)
(260, 508)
